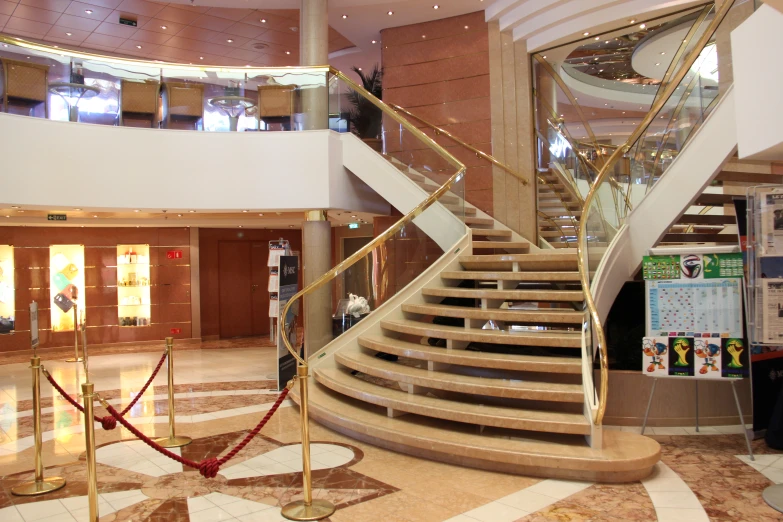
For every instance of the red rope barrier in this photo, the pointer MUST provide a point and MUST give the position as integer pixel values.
(108, 422)
(207, 467)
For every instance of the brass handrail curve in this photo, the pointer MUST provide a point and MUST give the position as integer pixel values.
(479, 153)
(389, 232)
(581, 244)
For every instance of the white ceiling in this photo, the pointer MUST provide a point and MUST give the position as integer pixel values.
(199, 33)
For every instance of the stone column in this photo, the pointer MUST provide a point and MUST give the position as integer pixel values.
(316, 261)
(314, 50)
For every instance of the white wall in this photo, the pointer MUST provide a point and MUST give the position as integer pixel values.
(55, 165)
(758, 76)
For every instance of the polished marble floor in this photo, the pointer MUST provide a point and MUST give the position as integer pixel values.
(224, 388)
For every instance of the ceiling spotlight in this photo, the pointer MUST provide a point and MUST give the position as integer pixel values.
(263, 20)
(20, 211)
(657, 64)
(466, 27)
(137, 210)
(77, 209)
(663, 52)
(390, 13)
(95, 216)
(436, 7)
(192, 211)
(200, 57)
(633, 21)
(8, 216)
(68, 34)
(179, 215)
(138, 47)
(261, 215)
(642, 26)
(288, 52)
(245, 211)
(360, 68)
(374, 41)
(230, 40)
(606, 42)
(88, 11)
(240, 226)
(164, 27)
(345, 16)
(290, 226)
(597, 37)
(424, 36)
(586, 33)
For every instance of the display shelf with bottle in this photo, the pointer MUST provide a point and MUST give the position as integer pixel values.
(7, 308)
(133, 285)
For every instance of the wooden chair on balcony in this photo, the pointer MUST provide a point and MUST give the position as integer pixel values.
(25, 84)
(276, 104)
(182, 102)
(140, 100)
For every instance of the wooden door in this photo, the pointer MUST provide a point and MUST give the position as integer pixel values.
(235, 275)
(259, 254)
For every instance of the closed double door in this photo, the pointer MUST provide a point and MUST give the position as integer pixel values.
(243, 277)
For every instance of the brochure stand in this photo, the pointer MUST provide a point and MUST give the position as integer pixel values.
(694, 320)
(277, 249)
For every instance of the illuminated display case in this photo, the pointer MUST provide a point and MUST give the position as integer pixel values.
(133, 285)
(66, 285)
(7, 307)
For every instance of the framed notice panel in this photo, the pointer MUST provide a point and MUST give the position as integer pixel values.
(66, 284)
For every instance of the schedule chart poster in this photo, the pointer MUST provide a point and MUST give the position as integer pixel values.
(694, 295)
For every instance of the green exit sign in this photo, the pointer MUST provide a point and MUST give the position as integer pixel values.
(56, 217)
(353, 225)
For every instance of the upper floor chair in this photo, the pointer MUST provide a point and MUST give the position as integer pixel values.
(139, 100)
(276, 105)
(183, 103)
(25, 84)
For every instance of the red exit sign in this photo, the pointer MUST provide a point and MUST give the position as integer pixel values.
(175, 331)
(174, 254)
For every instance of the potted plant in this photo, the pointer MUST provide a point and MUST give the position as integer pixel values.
(365, 117)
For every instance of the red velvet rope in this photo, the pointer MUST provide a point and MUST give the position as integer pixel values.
(207, 467)
(108, 422)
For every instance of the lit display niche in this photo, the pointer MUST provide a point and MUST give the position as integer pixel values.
(133, 285)
(7, 307)
(66, 285)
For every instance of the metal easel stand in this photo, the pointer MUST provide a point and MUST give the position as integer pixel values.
(739, 411)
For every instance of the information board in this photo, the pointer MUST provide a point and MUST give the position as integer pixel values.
(288, 278)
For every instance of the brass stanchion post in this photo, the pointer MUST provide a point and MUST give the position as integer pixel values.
(307, 508)
(40, 485)
(75, 357)
(88, 393)
(172, 441)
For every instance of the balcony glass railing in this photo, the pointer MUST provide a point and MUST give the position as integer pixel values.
(64, 85)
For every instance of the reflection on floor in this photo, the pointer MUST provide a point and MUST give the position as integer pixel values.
(223, 390)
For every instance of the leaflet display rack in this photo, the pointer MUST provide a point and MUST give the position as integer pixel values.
(277, 248)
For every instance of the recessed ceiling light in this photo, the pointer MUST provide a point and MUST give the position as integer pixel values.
(360, 68)
(200, 57)
(600, 70)
(345, 16)
(663, 52)
(633, 21)
(390, 13)
(424, 36)
(14, 206)
(5, 45)
(138, 47)
(95, 216)
(137, 210)
(164, 27)
(191, 211)
(263, 20)
(68, 34)
(288, 52)
(606, 42)
(179, 215)
(657, 64)
(261, 215)
(20, 211)
(544, 57)
(230, 40)
(586, 33)
(245, 211)
(290, 226)
(436, 7)
(597, 37)
(88, 11)
(240, 226)
(8, 216)
(77, 209)
(374, 41)
(642, 26)
(56, 46)
(466, 27)
(82, 226)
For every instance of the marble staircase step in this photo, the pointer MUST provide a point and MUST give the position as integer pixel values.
(624, 457)
(511, 389)
(548, 338)
(343, 382)
(498, 361)
(539, 316)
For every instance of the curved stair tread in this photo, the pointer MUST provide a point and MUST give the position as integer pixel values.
(537, 261)
(626, 457)
(512, 389)
(508, 245)
(511, 276)
(543, 315)
(558, 339)
(509, 295)
(499, 361)
(341, 381)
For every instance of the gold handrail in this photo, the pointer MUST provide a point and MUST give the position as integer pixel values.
(581, 244)
(477, 152)
(388, 233)
(26, 44)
